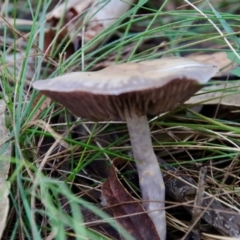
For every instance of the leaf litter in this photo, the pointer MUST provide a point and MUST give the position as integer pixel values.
(127, 210)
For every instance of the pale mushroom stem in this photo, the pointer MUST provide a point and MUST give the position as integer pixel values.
(150, 176)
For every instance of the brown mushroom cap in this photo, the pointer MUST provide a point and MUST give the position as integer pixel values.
(147, 88)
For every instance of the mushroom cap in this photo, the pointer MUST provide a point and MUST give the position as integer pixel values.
(147, 88)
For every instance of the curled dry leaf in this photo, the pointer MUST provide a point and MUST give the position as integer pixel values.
(128, 212)
(59, 45)
(5, 154)
(225, 93)
(84, 20)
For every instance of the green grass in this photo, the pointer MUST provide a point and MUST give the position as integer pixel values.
(44, 173)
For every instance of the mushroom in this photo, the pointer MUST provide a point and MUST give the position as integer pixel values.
(130, 92)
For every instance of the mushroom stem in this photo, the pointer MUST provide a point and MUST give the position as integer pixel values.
(150, 176)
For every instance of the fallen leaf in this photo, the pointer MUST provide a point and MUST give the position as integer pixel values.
(85, 20)
(128, 211)
(225, 93)
(5, 154)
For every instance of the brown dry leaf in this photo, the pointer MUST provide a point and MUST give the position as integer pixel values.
(5, 155)
(94, 15)
(219, 59)
(140, 226)
(225, 93)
